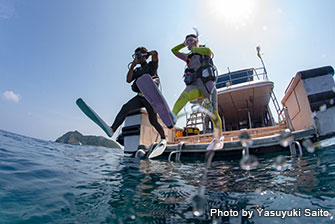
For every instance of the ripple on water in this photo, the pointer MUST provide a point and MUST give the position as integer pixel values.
(45, 182)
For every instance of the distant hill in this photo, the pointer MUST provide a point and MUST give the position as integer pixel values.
(76, 138)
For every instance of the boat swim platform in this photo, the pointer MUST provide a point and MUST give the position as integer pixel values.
(266, 142)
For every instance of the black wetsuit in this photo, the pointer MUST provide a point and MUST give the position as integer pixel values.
(139, 101)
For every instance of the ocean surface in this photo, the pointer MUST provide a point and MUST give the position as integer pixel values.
(48, 182)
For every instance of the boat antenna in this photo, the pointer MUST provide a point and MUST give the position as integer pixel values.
(258, 49)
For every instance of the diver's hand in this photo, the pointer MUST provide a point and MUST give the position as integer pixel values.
(135, 62)
(154, 55)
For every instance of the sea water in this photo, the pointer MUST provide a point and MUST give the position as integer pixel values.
(48, 182)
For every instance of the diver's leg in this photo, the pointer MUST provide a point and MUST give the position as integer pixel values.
(153, 117)
(210, 92)
(217, 122)
(191, 92)
(133, 104)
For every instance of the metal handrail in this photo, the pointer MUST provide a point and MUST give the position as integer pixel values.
(177, 152)
(255, 76)
(283, 116)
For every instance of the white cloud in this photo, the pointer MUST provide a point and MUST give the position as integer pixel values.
(11, 96)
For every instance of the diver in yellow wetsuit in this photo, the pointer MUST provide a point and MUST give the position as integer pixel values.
(199, 78)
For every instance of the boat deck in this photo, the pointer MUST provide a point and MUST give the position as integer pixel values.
(230, 135)
(265, 140)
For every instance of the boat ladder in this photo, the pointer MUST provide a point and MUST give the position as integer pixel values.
(293, 149)
(177, 152)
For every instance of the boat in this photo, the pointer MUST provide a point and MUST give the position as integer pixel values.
(306, 112)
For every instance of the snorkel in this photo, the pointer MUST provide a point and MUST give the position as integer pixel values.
(192, 40)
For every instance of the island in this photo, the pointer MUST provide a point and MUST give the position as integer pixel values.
(76, 138)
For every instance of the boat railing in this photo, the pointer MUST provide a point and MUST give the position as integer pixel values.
(261, 74)
(246, 76)
(283, 116)
(243, 76)
(284, 120)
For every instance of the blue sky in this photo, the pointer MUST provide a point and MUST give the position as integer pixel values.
(53, 52)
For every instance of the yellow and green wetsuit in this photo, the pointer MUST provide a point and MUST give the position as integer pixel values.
(197, 88)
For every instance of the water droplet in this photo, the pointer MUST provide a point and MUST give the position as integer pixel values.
(245, 151)
(279, 163)
(334, 89)
(258, 190)
(323, 107)
(249, 162)
(286, 138)
(324, 169)
(133, 217)
(215, 220)
(314, 114)
(198, 205)
(308, 144)
(196, 213)
(208, 158)
(331, 101)
(245, 139)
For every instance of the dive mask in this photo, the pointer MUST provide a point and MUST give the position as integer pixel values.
(139, 55)
(190, 41)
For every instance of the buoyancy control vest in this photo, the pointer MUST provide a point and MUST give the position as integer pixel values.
(145, 68)
(199, 66)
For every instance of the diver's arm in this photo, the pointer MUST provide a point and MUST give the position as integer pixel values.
(178, 54)
(202, 50)
(130, 74)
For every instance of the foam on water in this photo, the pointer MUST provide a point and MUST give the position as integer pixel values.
(48, 182)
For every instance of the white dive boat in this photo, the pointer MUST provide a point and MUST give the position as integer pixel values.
(307, 111)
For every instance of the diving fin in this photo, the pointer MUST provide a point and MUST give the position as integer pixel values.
(159, 149)
(216, 144)
(90, 113)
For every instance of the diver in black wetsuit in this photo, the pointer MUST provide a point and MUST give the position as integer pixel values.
(140, 57)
